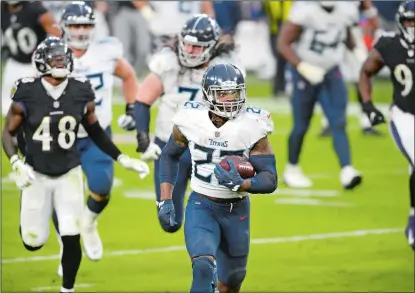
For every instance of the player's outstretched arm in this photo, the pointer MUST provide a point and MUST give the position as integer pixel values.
(263, 159)
(104, 142)
(126, 73)
(149, 91)
(373, 64)
(169, 162)
(14, 120)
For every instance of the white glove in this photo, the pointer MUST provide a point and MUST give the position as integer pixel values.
(313, 74)
(134, 164)
(152, 152)
(24, 174)
(126, 122)
(147, 12)
(360, 54)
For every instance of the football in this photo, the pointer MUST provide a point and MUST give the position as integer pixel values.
(244, 167)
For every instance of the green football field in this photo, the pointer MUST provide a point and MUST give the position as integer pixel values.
(321, 239)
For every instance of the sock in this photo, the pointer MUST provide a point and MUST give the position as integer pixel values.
(95, 207)
(71, 260)
(412, 190)
(202, 275)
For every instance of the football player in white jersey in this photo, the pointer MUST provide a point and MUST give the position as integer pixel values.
(218, 211)
(99, 61)
(176, 76)
(353, 61)
(318, 29)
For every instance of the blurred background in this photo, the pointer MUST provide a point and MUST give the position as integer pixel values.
(314, 240)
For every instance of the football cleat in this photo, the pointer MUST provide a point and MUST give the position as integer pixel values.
(294, 177)
(410, 231)
(350, 177)
(91, 241)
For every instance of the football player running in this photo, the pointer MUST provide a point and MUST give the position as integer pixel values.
(218, 210)
(176, 75)
(397, 52)
(99, 61)
(49, 109)
(318, 29)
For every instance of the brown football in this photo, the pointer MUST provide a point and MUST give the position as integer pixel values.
(244, 167)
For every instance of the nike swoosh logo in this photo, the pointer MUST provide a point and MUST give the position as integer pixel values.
(243, 218)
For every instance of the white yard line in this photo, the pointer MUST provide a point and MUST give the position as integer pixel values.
(298, 238)
(47, 288)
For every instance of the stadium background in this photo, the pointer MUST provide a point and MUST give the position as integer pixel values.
(315, 240)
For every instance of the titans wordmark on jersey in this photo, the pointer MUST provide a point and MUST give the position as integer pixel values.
(98, 65)
(209, 144)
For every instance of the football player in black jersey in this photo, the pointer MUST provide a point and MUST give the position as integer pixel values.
(24, 24)
(49, 110)
(397, 52)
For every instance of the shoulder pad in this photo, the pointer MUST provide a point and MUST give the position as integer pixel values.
(299, 13)
(84, 86)
(186, 115)
(265, 124)
(384, 41)
(164, 61)
(21, 88)
(111, 47)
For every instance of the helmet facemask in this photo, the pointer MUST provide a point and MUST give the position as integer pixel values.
(78, 35)
(406, 25)
(227, 100)
(56, 62)
(193, 53)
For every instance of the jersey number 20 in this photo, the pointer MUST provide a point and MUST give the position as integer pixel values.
(66, 136)
(403, 75)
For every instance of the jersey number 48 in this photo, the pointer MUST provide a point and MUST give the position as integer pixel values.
(66, 136)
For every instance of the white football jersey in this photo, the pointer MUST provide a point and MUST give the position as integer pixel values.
(98, 64)
(208, 144)
(180, 84)
(322, 40)
(170, 16)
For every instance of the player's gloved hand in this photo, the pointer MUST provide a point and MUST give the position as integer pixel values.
(133, 164)
(375, 116)
(312, 73)
(167, 214)
(152, 153)
(24, 174)
(231, 179)
(127, 121)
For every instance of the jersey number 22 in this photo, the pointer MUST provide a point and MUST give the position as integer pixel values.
(66, 136)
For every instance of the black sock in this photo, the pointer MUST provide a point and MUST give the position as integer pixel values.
(71, 259)
(412, 189)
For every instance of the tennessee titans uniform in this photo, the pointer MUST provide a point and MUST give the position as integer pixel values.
(98, 64)
(400, 59)
(227, 219)
(321, 44)
(180, 85)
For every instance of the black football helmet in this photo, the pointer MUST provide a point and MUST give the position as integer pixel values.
(78, 24)
(53, 57)
(406, 12)
(200, 31)
(224, 90)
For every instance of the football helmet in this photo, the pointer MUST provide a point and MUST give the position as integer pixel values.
(53, 57)
(224, 90)
(197, 40)
(406, 12)
(78, 24)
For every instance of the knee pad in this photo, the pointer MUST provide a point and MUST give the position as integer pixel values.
(203, 269)
(31, 242)
(172, 229)
(235, 278)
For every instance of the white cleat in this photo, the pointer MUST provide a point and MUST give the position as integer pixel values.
(91, 241)
(350, 177)
(294, 177)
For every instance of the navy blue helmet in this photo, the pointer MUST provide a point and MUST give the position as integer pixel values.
(53, 57)
(224, 90)
(405, 18)
(78, 24)
(197, 40)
